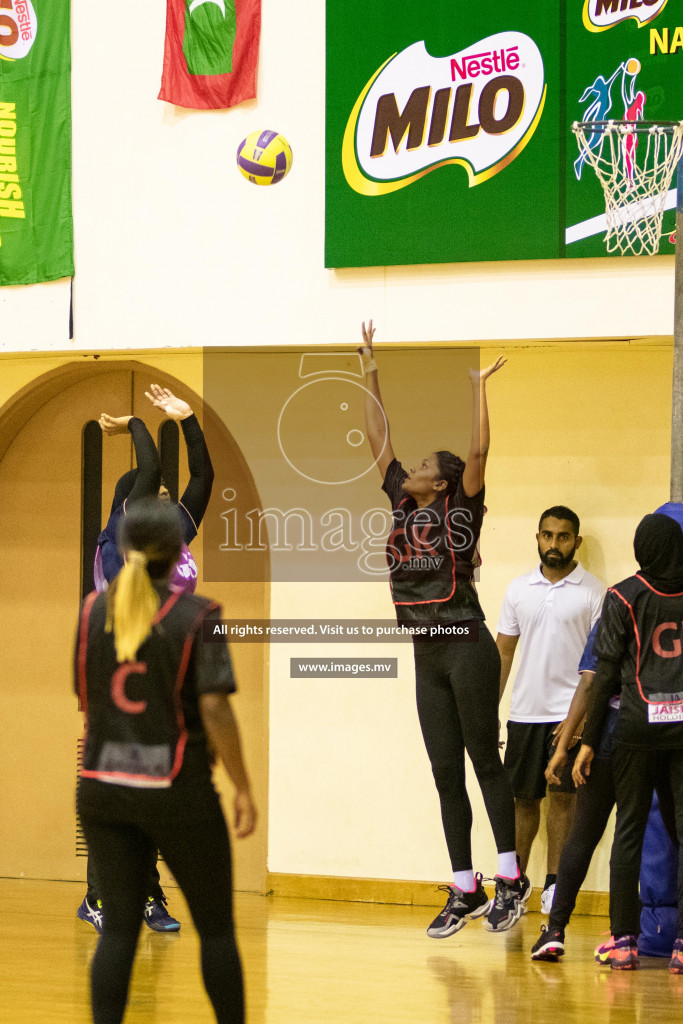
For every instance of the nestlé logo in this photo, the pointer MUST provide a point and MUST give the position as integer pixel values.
(477, 108)
(18, 26)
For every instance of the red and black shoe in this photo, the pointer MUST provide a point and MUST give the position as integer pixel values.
(549, 946)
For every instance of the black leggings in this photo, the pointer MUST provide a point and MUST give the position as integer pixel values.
(457, 704)
(637, 773)
(594, 803)
(121, 828)
(154, 890)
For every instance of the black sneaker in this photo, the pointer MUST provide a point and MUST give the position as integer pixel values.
(549, 945)
(509, 903)
(460, 908)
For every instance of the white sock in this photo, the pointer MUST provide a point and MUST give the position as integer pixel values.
(507, 865)
(465, 880)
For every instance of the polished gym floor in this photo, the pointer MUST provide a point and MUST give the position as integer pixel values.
(324, 962)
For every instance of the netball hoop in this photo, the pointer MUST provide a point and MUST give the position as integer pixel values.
(634, 162)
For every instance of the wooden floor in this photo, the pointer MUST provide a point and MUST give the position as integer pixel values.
(324, 962)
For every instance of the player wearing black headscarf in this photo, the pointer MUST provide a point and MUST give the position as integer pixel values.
(640, 654)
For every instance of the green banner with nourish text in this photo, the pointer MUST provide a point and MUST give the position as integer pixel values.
(36, 232)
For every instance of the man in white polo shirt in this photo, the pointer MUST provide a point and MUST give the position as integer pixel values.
(552, 609)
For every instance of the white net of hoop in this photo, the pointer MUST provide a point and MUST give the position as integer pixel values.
(635, 170)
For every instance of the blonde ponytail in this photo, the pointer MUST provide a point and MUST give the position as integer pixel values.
(132, 603)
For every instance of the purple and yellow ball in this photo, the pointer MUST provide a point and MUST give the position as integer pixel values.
(264, 158)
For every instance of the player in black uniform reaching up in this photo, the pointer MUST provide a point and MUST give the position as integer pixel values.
(145, 481)
(640, 652)
(153, 692)
(438, 509)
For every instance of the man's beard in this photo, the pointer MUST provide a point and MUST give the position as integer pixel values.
(554, 560)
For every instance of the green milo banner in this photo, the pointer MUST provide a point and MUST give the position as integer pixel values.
(449, 123)
(36, 233)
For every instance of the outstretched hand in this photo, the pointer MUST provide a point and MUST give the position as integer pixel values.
(368, 334)
(165, 400)
(114, 424)
(479, 376)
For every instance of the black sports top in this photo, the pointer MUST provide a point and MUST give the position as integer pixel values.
(640, 652)
(432, 553)
(142, 717)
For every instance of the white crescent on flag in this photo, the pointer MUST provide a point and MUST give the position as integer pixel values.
(198, 3)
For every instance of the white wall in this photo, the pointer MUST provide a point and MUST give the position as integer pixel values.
(174, 247)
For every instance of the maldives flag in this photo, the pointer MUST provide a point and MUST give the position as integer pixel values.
(210, 52)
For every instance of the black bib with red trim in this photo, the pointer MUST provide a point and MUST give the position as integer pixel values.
(432, 553)
(643, 629)
(136, 724)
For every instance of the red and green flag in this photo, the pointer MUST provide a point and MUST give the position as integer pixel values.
(210, 52)
(36, 229)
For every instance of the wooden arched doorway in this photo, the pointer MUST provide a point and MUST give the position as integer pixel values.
(40, 509)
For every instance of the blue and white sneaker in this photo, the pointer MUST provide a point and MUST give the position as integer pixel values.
(91, 914)
(157, 916)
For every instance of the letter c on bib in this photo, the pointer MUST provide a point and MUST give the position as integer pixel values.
(118, 687)
(675, 652)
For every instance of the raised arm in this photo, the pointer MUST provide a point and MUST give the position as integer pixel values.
(475, 464)
(146, 479)
(196, 495)
(376, 422)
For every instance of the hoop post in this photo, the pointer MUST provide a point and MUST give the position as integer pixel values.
(677, 382)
